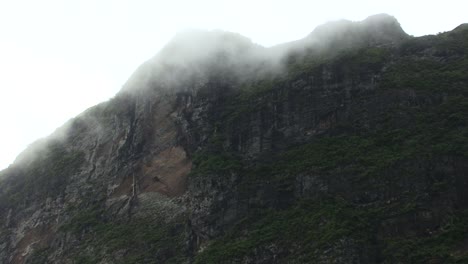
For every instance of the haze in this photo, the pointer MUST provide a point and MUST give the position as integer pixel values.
(58, 57)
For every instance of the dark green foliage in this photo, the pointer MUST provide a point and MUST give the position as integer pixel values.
(435, 131)
(401, 138)
(428, 73)
(306, 229)
(256, 89)
(142, 240)
(83, 259)
(215, 163)
(443, 246)
(441, 65)
(145, 236)
(83, 220)
(445, 44)
(362, 61)
(349, 63)
(46, 176)
(340, 152)
(39, 256)
(445, 129)
(214, 159)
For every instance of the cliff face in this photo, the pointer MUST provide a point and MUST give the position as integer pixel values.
(350, 146)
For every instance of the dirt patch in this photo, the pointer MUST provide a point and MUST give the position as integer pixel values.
(166, 170)
(166, 173)
(124, 188)
(34, 238)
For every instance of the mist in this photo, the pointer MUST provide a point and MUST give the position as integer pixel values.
(194, 57)
(60, 58)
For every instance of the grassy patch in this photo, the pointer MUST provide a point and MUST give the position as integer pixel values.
(136, 241)
(307, 227)
(442, 246)
(46, 176)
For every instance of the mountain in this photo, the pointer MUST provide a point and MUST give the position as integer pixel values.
(348, 146)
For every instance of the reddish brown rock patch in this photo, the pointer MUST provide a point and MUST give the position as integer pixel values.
(39, 237)
(166, 173)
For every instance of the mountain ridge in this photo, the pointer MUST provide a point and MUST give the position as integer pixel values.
(346, 153)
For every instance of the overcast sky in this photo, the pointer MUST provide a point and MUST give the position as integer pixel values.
(59, 57)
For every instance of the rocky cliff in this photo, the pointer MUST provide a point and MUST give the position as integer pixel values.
(349, 146)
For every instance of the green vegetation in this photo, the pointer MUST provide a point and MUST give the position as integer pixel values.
(434, 133)
(405, 135)
(215, 163)
(39, 256)
(429, 74)
(83, 220)
(214, 159)
(441, 130)
(46, 176)
(306, 228)
(444, 246)
(440, 67)
(256, 89)
(346, 64)
(349, 62)
(331, 153)
(141, 239)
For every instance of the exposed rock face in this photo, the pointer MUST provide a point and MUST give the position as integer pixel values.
(349, 146)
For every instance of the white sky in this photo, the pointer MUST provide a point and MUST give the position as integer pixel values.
(59, 57)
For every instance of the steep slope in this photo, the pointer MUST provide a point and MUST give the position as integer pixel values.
(349, 146)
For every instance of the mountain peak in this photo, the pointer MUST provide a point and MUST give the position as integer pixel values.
(384, 25)
(212, 35)
(196, 45)
(382, 18)
(462, 27)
